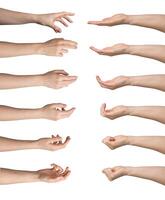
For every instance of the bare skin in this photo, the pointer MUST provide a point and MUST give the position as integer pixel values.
(149, 81)
(156, 113)
(52, 143)
(55, 79)
(155, 52)
(155, 21)
(155, 143)
(49, 175)
(9, 17)
(54, 47)
(54, 111)
(153, 173)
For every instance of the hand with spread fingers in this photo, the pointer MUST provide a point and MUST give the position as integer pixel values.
(115, 142)
(54, 174)
(115, 83)
(50, 175)
(155, 21)
(153, 173)
(10, 17)
(50, 20)
(113, 113)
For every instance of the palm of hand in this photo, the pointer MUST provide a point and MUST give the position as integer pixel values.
(114, 173)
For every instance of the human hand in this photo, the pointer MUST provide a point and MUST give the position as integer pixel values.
(54, 174)
(111, 21)
(115, 142)
(115, 83)
(51, 19)
(57, 79)
(115, 172)
(52, 143)
(56, 47)
(113, 113)
(56, 111)
(114, 50)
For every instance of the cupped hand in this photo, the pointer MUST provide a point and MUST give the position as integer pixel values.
(115, 172)
(114, 50)
(115, 142)
(115, 83)
(54, 174)
(53, 143)
(56, 111)
(113, 113)
(57, 79)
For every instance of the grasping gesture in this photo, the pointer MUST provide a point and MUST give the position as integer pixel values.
(50, 175)
(54, 47)
(54, 111)
(9, 17)
(55, 79)
(52, 143)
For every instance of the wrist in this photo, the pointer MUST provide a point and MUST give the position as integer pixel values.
(33, 176)
(129, 171)
(35, 18)
(130, 110)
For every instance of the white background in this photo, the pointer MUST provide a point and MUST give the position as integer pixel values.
(85, 155)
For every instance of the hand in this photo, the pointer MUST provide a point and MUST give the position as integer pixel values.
(51, 19)
(115, 172)
(57, 79)
(111, 21)
(56, 47)
(116, 49)
(56, 111)
(54, 174)
(115, 142)
(53, 143)
(115, 83)
(113, 113)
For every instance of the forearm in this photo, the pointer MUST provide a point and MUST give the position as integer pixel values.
(150, 112)
(7, 144)
(8, 81)
(156, 174)
(9, 113)
(154, 21)
(150, 81)
(9, 176)
(8, 17)
(8, 49)
(156, 143)
(156, 52)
